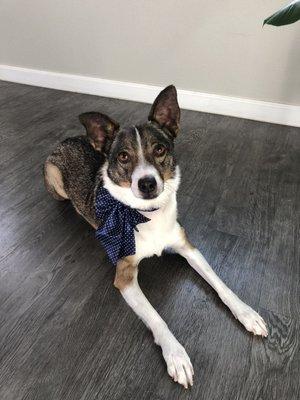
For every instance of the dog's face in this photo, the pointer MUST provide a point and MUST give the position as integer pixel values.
(139, 158)
(142, 158)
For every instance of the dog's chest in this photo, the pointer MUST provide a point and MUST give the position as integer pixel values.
(158, 233)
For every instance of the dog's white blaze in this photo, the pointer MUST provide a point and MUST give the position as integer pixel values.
(141, 157)
(144, 169)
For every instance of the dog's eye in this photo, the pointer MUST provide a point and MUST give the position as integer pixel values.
(123, 157)
(159, 150)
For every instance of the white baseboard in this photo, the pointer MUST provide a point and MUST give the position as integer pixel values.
(233, 106)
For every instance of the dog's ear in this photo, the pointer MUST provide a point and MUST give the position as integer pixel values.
(100, 129)
(165, 110)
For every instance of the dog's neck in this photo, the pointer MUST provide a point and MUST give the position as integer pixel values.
(126, 196)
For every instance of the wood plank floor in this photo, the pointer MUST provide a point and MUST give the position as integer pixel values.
(66, 333)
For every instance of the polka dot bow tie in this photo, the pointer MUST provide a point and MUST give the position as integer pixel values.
(118, 223)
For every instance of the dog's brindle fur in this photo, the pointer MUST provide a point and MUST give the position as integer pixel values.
(115, 158)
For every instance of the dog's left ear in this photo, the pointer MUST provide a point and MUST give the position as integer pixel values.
(100, 129)
(165, 110)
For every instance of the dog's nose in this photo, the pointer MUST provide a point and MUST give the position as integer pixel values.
(147, 185)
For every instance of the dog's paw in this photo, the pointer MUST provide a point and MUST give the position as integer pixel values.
(179, 365)
(251, 320)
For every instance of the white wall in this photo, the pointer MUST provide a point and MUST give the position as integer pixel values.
(212, 46)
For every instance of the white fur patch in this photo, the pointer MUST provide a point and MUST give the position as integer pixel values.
(142, 170)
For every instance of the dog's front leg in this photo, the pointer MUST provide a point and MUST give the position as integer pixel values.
(251, 320)
(178, 362)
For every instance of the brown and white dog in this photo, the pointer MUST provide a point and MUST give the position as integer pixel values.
(137, 166)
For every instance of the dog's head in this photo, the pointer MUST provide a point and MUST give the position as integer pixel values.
(141, 168)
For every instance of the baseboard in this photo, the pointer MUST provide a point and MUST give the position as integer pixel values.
(233, 106)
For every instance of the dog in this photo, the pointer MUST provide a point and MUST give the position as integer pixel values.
(135, 171)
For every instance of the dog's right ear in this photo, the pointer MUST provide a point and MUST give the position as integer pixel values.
(165, 110)
(100, 129)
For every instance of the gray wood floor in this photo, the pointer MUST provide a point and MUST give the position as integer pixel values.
(65, 332)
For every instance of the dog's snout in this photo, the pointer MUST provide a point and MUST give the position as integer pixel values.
(147, 185)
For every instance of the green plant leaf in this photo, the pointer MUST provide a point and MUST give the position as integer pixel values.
(286, 15)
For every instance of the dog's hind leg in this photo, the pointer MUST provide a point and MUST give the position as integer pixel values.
(178, 362)
(251, 320)
(54, 181)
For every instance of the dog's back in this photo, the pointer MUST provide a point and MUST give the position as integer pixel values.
(70, 173)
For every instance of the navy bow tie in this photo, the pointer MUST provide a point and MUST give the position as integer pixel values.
(118, 222)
